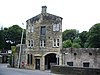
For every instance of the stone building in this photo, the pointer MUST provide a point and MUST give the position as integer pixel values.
(43, 40)
(81, 57)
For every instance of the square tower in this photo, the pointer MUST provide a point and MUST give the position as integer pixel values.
(43, 40)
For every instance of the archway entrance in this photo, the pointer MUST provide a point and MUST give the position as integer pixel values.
(50, 59)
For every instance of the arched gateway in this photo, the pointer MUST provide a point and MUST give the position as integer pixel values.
(50, 59)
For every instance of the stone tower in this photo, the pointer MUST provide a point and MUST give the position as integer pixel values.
(44, 40)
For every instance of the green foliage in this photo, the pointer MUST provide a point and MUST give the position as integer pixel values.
(94, 36)
(77, 40)
(2, 40)
(67, 43)
(76, 45)
(83, 38)
(71, 39)
(12, 35)
(70, 34)
(13, 48)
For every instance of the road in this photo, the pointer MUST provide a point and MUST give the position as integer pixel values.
(14, 71)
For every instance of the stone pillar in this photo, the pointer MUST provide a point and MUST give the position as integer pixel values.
(60, 59)
(42, 63)
(26, 60)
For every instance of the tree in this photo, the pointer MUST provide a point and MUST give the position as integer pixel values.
(83, 38)
(1, 40)
(11, 36)
(94, 36)
(15, 33)
(76, 45)
(67, 43)
(70, 34)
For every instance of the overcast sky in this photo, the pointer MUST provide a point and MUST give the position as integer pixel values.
(76, 14)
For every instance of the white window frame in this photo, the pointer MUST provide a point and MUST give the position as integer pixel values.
(30, 43)
(56, 27)
(56, 42)
(42, 43)
(29, 29)
(32, 28)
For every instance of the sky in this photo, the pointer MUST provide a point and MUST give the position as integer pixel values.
(76, 14)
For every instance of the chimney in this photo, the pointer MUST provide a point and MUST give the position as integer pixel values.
(44, 8)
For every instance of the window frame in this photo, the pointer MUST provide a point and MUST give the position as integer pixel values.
(32, 28)
(29, 29)
(56, 27)
(30, 43)
(42, 31)
(42, 43)
(56, 42)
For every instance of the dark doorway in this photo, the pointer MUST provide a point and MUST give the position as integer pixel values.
(37, 64)
(50, 59)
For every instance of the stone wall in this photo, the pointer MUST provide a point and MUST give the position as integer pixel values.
(81, 56)
(65, 70)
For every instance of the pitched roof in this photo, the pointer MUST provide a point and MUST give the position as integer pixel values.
(45, 16)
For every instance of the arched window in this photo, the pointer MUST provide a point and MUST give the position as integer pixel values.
(55, 42)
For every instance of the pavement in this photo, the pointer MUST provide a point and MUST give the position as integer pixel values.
(14, 71)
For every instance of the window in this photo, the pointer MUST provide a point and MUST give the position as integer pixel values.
(29, 28)
(42, 43)
(43, 30)
(56, 27)
(56, 43)
(32, 29)
(31, 59)
(86, 64)
(28, 59)
(70, 63)
(30, 43)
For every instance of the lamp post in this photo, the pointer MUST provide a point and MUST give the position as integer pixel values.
(19, 58)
